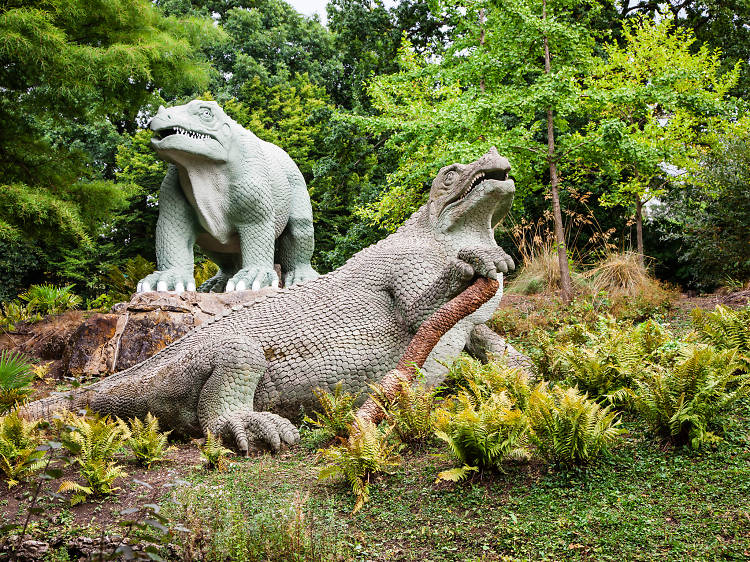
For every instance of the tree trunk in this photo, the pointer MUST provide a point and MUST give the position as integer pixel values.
(639, 230)
(566, 288)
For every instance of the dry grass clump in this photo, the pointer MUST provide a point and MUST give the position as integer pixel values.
(540, 272)
(623, 275)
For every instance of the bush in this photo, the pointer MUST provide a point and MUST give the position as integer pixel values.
(92, 441)
(681, 401)
(363, 454)
(214, 453)
(568, 427)
(335, 415)
(481, 434)
(724, 328)
(122, 282)
(481, 380)
(49, 299)
(410, 413)
(14, 313)
(146, 442)
(16, 374)
(19, 442)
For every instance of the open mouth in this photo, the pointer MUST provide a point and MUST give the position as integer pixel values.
(161, 134)
(498, 175)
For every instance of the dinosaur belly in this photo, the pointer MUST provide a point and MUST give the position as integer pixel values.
(206, 188)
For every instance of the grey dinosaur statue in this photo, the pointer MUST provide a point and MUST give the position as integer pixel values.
(247, 373)
(241, 199)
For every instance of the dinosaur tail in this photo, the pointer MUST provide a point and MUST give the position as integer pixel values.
(46, 407)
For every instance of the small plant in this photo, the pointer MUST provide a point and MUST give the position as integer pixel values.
(363, 454)
(214, 453)
(724, 328)
(146, 442)
(203, 271)
(681, 401)
(481, 380)
(335, 415)
(568, 427)
(481, 434)
(122, 282)
(16, 375)
(19, 452)
(410, 413)
(92, 441)
(14, 313)
(49, 299)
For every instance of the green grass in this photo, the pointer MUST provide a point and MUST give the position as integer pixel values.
(640, 503)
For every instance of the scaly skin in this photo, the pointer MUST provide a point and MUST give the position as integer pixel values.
(241, 199)
(245, 374)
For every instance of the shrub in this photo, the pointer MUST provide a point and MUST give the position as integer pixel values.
(49, 299)
(122, 282)
(568, 427)
(14, 313)
(481, 434)
(481, 380)
(16, 374)
(680, 402)
(19, 454)
(410, 413)
(146, 442)
(724, 328)
(214, 453)
(335, 415)
(363, 454)
(93, 441)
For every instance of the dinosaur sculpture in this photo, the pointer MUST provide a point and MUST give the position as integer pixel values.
(246, 373)
(241, 199)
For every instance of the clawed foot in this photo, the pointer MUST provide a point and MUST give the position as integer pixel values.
(216, 284)
(487, 261)
(299, 274)
(253, 278)
(167, 280)
(244, 427)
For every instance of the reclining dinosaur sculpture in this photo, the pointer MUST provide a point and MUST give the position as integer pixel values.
(245, 374)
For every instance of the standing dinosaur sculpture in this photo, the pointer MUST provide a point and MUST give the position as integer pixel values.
(245, 374)
(241, 199)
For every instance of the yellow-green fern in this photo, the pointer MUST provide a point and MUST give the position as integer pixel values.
(19, 456)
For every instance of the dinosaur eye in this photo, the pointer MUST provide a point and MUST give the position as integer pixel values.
(205, 113)
(450, 177)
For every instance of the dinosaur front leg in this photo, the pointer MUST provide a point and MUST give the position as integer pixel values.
(296, 243)
(176, 230)
(257, 248)
(225, 405)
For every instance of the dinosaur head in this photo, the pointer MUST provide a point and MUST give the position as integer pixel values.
(480, 192)
(199, 128)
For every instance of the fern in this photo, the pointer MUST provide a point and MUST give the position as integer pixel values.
(93, 441)
(410, 414)
(19, 456)
(363, 454)
(146, 442)
(481, 380)
(49, 299)
(725, 328)
(568, 427)
(681, 401)
(481, 433)
(214, 453)
(335, 414)
(16, 374)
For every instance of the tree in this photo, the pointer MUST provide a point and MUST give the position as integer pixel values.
(654, 99)
(511, 78)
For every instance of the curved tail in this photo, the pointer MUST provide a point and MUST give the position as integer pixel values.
(46, 407)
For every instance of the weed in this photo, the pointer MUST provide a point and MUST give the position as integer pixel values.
(214, 453)
(336, 414)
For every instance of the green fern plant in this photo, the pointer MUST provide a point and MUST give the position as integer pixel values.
(335, 414)
(481, 433)
(725, 328)
(50, 299)
(93, 442)
(410, 413)
(214, 453)
(365, 453)
(568, 427)
(14, 313)
(146, 442)
(681, 402)
(481, 380)
(19, 453)
(16, 375)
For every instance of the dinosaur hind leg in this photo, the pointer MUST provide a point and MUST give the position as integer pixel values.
(225, 405)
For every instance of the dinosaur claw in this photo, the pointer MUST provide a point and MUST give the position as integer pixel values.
(161, 286)
(241, 285)
(230, 286)
(191, 286)
(179, 287)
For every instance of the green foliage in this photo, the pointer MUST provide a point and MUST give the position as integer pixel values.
(682, 400)
(146, 442)
(49, 299)
(481, 434)
(365, 453)
(410, 414)
(724, 328)
(336, 414)
(16, 375)
(568, 427)
(15, 312)
(480, 380)
(123, 281)
(203, 271)
(214, 453)
(19, 453)
(93, 442)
